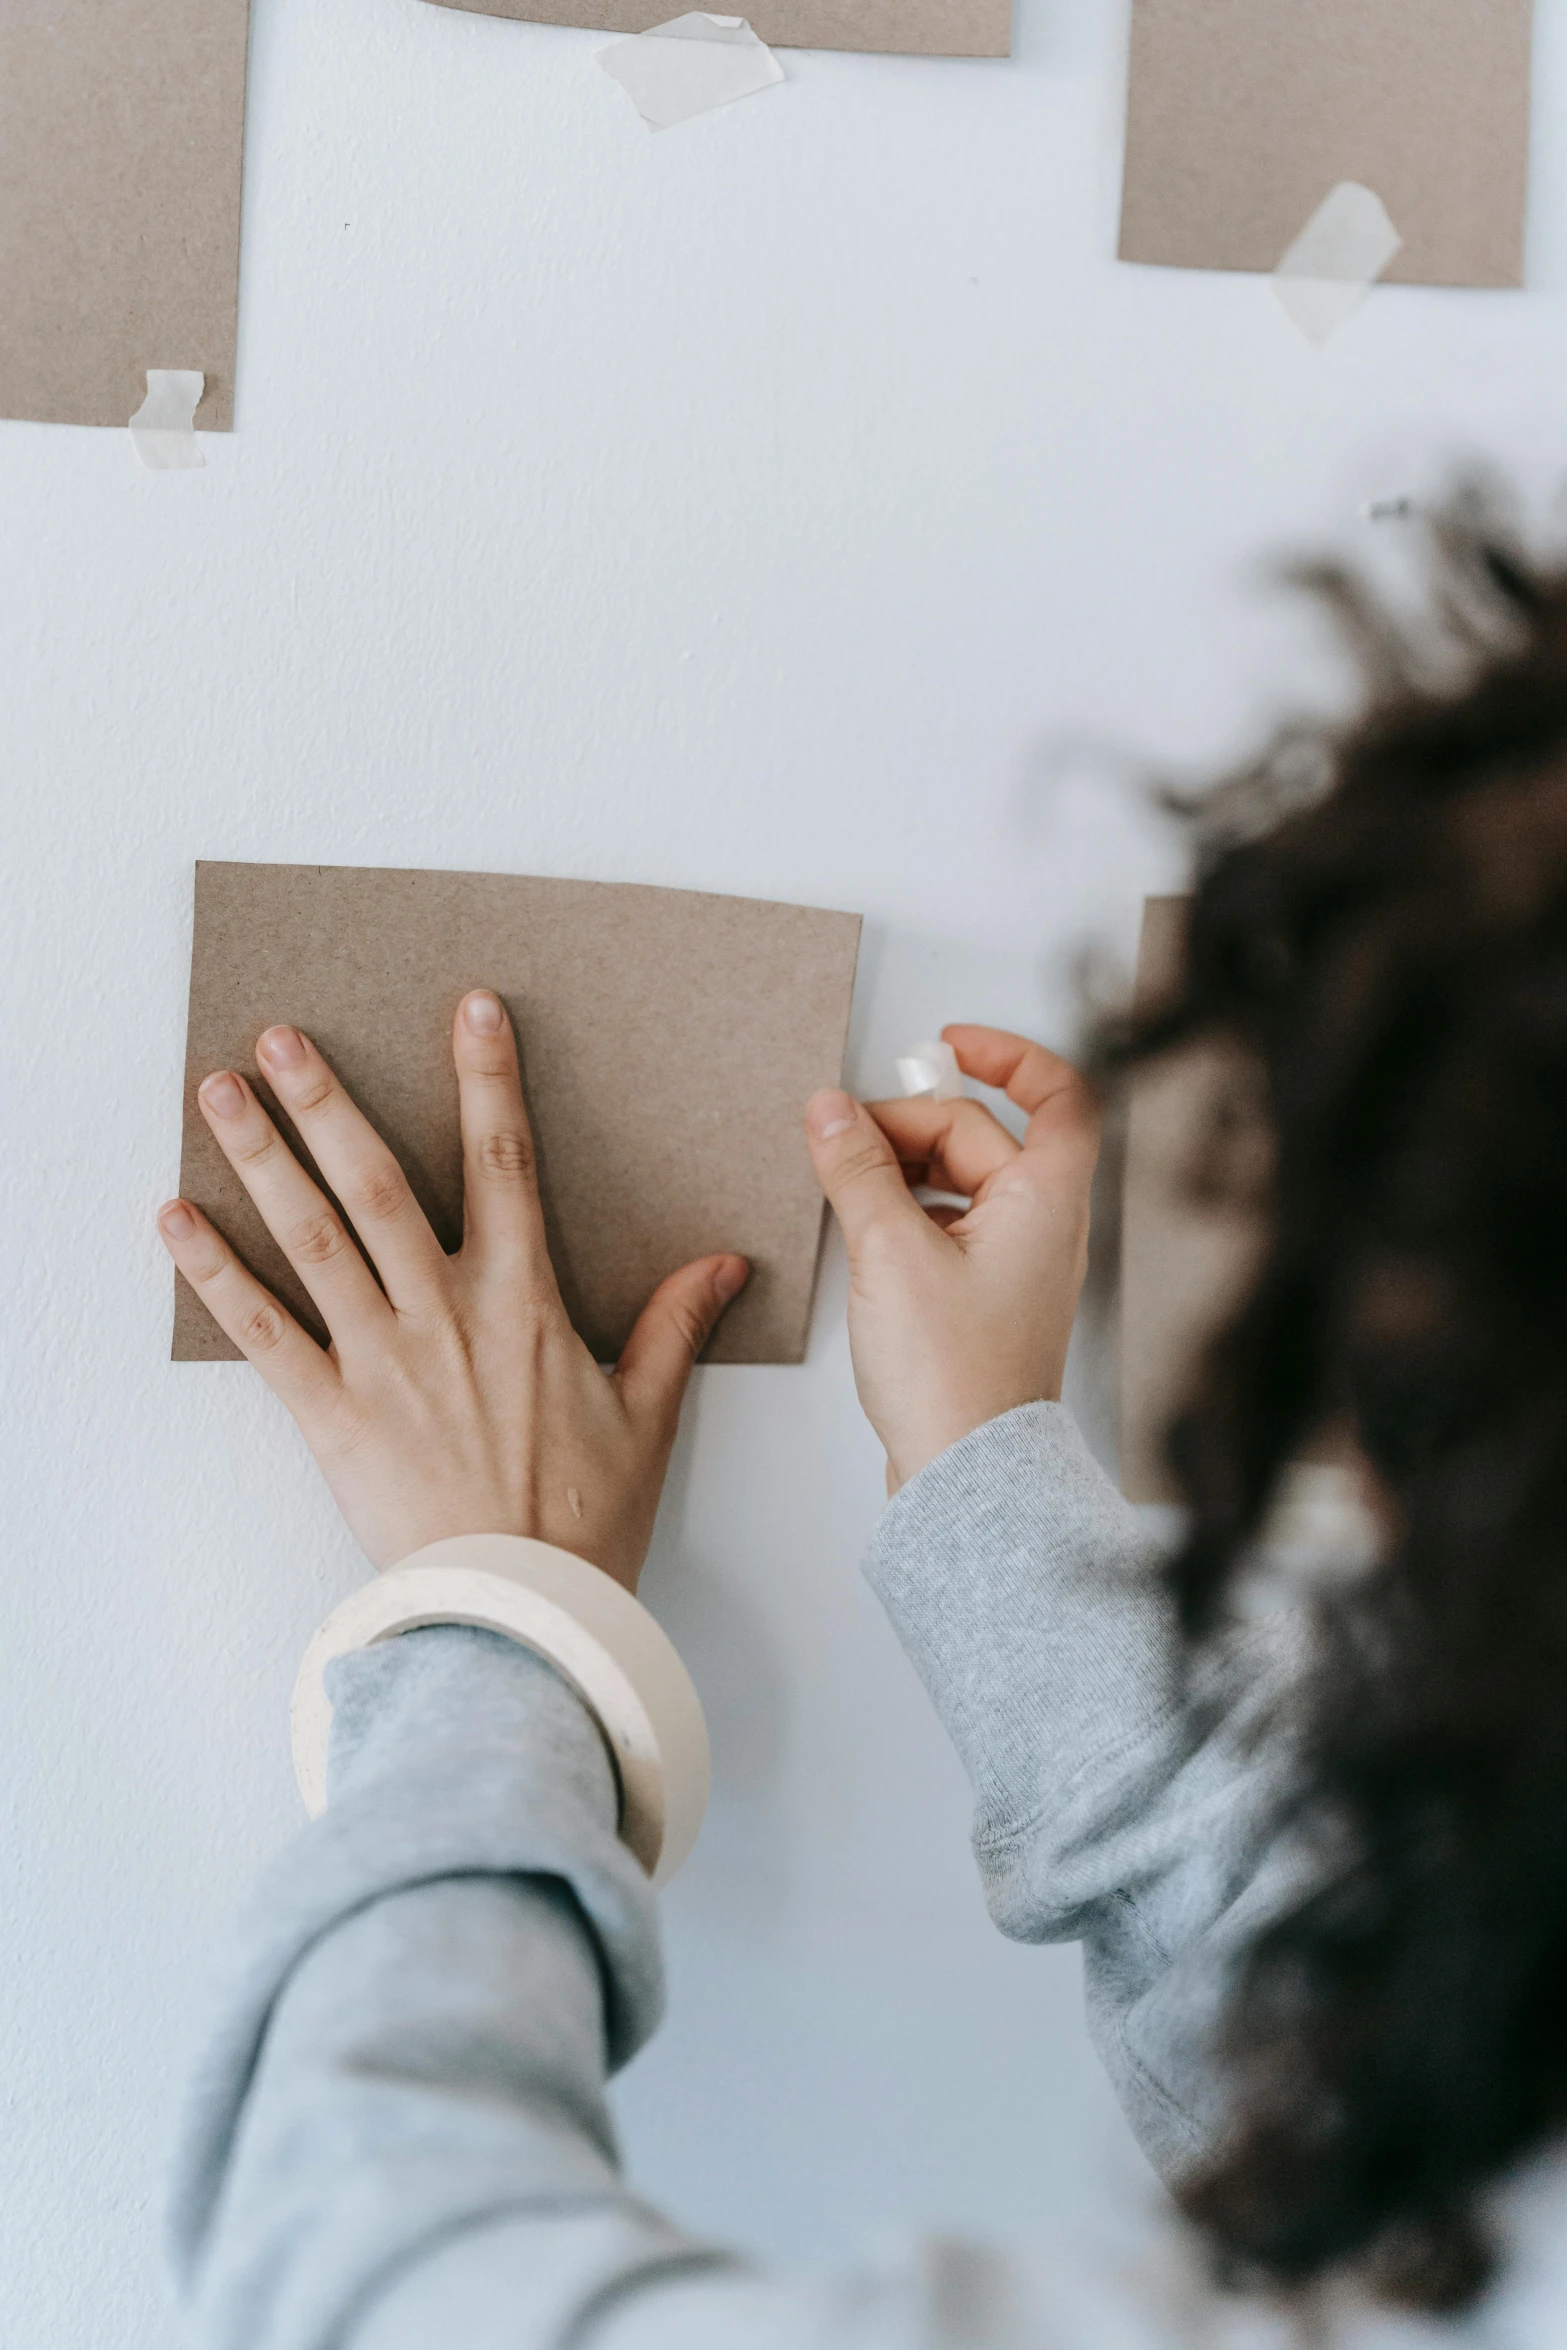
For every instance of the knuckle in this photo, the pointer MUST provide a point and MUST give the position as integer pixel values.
(508, 1154)
(860, 1160)
(312, 1092)
(261, 1328)
(317, 1240)
(256, 1148)
(691, 1326)
(348, 1428)
(541, 1324)
(377, 1195)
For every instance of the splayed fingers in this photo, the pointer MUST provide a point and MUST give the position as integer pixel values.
(449, 1403)
(357, 1164)
(290, 1361)
(297, 1213)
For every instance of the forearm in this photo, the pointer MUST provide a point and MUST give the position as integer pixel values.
(429, 1990)
(1029, 1599)
(398, 2137)
(1108, 1807)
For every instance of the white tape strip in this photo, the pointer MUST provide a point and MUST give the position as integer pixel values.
(931, 1068)
(163, 429)
(689, 66)
(1336, 260)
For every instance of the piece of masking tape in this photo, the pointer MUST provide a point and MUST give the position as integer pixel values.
(595, 1634)
(933, 1069)
(163, 428)
(689, 66)
(1336, 260)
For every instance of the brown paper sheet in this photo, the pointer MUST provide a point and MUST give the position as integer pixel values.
(669, 1041)
(121, 139)
(913, 28)
(1186, 1257)
(1244, 115)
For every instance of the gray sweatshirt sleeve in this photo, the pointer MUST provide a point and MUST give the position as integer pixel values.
(421, 2006)
(397, 2135)
(1109, 1808)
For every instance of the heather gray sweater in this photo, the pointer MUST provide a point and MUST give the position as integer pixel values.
(397, 2137)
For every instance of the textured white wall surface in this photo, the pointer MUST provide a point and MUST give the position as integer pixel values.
(799, 502)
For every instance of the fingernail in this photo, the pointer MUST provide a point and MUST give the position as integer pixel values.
(730, 1278)
(283, 1047)
(223, 1095)
(829, 1113)
(176, 1220)
(483, 1012)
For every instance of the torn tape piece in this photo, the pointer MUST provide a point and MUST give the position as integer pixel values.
(933, 1069)
(1336, 260)
(689, 66)
(163, 428)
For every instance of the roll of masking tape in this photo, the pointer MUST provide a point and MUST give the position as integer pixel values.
(621, 1664)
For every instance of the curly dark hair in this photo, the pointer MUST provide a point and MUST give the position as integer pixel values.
(1390, 954)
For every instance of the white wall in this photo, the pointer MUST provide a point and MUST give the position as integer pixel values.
(799, 502)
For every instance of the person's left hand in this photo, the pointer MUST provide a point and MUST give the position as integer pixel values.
(455, 1397)
(958, 1315)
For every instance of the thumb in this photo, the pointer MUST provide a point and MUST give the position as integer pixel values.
(672, 1329)
(856, 1166)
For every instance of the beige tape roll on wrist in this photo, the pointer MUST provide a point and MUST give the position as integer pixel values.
(621, 1664)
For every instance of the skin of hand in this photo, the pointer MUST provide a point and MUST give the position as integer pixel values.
(956, 1316)
(455, 1397)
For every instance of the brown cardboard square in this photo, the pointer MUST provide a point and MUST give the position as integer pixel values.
(913, 28)
(1186, 1255)
(669, 1041)
(1244, 115)
(121, 142)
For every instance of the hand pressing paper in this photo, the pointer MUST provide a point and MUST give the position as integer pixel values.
(690, 66)
(669, 1041)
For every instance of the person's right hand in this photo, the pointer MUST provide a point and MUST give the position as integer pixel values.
(956, 1317)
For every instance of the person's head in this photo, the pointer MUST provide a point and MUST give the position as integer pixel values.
(1390, 954)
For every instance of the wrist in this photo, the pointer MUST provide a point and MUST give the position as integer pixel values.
(914, 1448)
(611, 1550)
(598, 1638)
